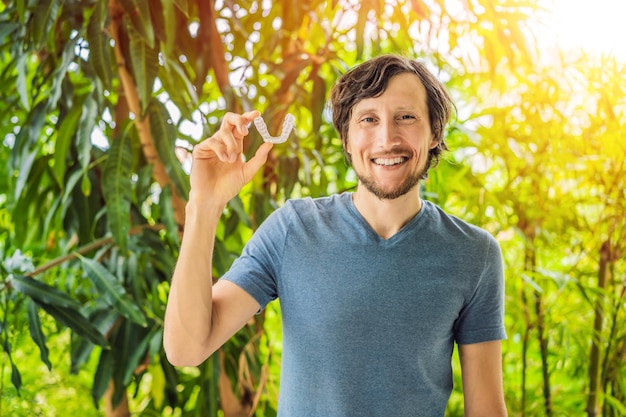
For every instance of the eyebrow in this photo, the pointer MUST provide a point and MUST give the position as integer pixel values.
(375, 110)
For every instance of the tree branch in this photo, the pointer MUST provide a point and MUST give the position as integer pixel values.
(142, 122)
(87, 248)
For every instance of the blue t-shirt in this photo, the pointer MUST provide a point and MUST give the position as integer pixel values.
(369, 324)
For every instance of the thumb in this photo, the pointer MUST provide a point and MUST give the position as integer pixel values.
(251, 167)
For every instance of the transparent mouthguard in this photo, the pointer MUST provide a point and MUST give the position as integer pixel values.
(288, 124)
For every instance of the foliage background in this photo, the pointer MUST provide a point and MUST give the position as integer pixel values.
(101, 102)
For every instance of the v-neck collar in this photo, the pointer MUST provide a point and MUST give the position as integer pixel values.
(397, 237)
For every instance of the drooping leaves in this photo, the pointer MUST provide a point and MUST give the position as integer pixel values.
(34, 327)
(44, 293)
(164, 135)
(75, 321)
(138, 12)
(44, 19)
(117, 189)
(113, 291)
(99, 47)
(145, 65)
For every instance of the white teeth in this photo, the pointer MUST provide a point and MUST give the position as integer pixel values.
(388, 161)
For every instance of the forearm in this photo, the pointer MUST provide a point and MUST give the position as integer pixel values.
(483, 392)
(188, 314)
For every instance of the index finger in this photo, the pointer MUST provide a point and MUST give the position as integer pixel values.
(239, 122)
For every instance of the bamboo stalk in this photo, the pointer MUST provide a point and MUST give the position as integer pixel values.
(593, 402)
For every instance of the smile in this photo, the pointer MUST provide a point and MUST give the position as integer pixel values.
(389, 161)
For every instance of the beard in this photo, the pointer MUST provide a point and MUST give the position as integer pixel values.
(390, 194)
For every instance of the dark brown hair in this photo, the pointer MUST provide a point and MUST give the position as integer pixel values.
(370, 79)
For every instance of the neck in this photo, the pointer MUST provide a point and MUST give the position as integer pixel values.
(385, 216)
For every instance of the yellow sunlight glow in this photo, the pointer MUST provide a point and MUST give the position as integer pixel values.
(597, 26)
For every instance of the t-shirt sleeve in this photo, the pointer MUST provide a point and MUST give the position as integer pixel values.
(482, 318)
(259, 265)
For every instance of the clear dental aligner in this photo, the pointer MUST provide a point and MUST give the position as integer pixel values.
(288, 124)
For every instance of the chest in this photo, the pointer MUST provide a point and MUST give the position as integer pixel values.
(340, 288)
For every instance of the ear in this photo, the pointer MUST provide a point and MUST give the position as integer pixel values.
(347, 151)
(346, 146)
(434, 142)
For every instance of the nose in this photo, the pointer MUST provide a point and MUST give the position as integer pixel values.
(389, 133)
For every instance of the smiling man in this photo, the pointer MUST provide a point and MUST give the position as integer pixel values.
(375, 286)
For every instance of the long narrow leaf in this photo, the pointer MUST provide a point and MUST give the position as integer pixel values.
(129, 343)
(103, 375)
(44, 16)
(84, 129)
(103, 320)
(164, 136)
(112, 291)
(21, 84)
(167, 214)
(138, 11)
(99, 47)
(145, 66)
(16, 377)
(66, 131)
(116, 187)
(43, 293)
(34, 327)
(75, 321)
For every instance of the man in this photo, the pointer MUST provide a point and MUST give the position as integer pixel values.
(375, 286)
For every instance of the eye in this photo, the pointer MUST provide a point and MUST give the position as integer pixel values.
(406, 118)
(367, 119)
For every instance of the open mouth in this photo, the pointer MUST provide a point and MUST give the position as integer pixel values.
(390, 161)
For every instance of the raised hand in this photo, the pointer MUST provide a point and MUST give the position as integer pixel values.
(218, 172)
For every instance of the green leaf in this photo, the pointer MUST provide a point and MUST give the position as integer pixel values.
(103, 375)
(43, 293)
(138, 12)
(145, 66)
(103, 320)
(87, 122)
(167, 214)
(112, 290)
(169, 26)
(34, 327)
(99, 47)
(59, 84)
(6, 28)
(131, 346)
(66, 131)
(179, 87)
(164, 136)
(22, 82)
(143, 185)
(117, 189)
(16, 378)
(236, 205)
(75, 321)
(289, 167)
(25, 152)
(44, 17)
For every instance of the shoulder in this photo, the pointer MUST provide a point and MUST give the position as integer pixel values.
(319, 203)
(311, 209)
(457, 229)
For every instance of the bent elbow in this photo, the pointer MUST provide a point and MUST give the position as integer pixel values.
(183, 357)
(185, 354)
